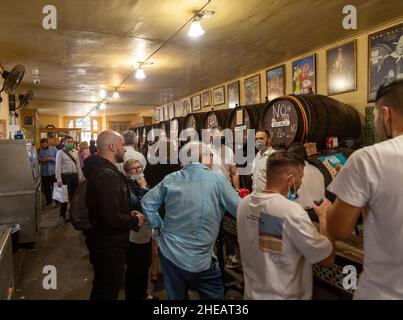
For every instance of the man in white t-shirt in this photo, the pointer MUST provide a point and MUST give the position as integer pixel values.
(313, 182)
(278, 242)
(263, 144)
(371, 181)
(130, 138)
(223, 158)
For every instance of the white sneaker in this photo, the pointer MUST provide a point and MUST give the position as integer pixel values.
(233, 262)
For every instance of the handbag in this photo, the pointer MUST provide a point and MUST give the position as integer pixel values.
(60, 194)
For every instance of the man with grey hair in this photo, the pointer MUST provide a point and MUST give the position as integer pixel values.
(108, 202)
(195, 199)
(130, 139)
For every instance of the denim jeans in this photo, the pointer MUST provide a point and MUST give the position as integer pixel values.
(207, 283)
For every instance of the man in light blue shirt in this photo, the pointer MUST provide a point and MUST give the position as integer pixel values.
(195, 199)
(47, 160)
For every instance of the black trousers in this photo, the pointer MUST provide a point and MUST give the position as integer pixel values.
(109, 268)
(72, 184)
(138, 262)
(47, 187)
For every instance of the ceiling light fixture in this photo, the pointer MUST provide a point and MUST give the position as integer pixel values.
(196, 29)
(116, 94)
(102, 94)
(140, 72)
(102, 106)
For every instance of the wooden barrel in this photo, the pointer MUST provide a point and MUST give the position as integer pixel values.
(309, 118)
(217, 118)
(165, 126)
(176, 126)
(143, 135)
(243, 118)
(195, 121)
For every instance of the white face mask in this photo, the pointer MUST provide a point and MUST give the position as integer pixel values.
(136, 177)
(260, 145)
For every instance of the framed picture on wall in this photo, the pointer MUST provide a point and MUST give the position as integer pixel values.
(178, 109)
(206, 99)
(196, 103)
(186, 107)
(233, 94)
(219, 96)
(171, 111)
(385, 61)
(252, 90)
(304, 75)
(3, 133)
(166, 113)
(275, 82)
(341, 68)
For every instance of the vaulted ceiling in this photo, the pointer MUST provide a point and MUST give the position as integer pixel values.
(97, 43)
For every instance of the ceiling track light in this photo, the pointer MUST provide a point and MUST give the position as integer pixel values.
(116, 94)
(196, 30)
(139, 74)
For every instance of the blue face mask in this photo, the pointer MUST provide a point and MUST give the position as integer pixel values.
(292, 195)
(136, 177)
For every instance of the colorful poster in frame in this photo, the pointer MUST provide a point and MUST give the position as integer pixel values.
(275, 82)
(252, 90)
(341, 68)
(171, 111)
(233, 94)
(186, 107)
(196, 103)
(304, 75)
(178, 109)
(166, 114)
(206, 99)
(219, 96)
(385, 58)
(3, 131)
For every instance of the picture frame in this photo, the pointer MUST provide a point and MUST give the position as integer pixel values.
(171, 111)
(275, 82)
(384, 62)
(252, 89)
(219, 96)
(341, 62)
(234, 96)
(304, 75)
(206, 99)
(186, 107)
(178, 109)
(166, 114)
(3, 131)
(196, 102)
(157, 114)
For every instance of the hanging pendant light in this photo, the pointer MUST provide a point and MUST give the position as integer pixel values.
(102, 106)
(116, 94)
(139, 73)
(195, 29)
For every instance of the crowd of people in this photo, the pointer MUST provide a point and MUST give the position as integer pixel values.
(284, 227)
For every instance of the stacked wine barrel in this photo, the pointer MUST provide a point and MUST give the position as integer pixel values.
(309, 118)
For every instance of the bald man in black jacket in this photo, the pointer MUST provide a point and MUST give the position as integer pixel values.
(108, 201)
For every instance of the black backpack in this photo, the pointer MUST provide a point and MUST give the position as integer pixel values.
(79, 212)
